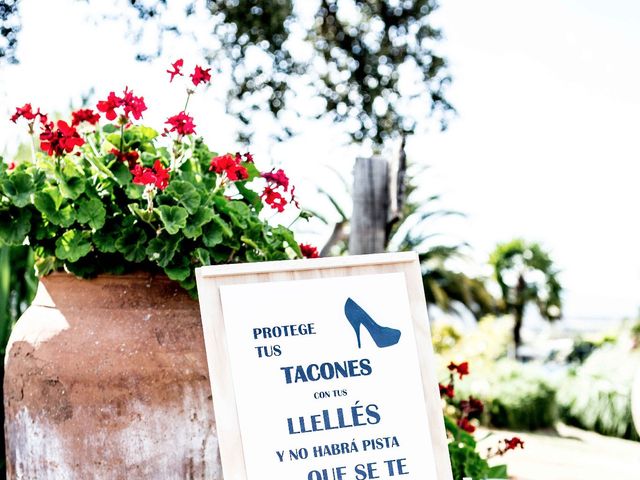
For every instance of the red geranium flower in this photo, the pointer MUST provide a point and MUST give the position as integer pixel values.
(471, 407)
(11, 166)
(61, 140)
(200, 75)
(143, 175)
(464, 424)
(248, 157)
(162, 175)
(177, 65)
(446, 390)
(129, 157)
(133, 105)
(229, 165)
(462, 369)
(182, 123)
(25, 112)
(109, 105)
(309, 251)
(278, 178)
(273, 198)
(158, 176)
(513, 443)
(84, 115)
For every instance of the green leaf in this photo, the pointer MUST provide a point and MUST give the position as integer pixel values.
(220, 255)
(72, 187)
(145, 215)
(109, 128)
(195, 222)
(173, 218)
(252, 170)
(224, 226)
(142, 133)
(252, 197)
(498, 471)
(14, 226)
(179, 270)
(184, 194)
(91, 211)
(105, 238)
(212, 234)
(203, 256)
(162, 249)
(239, 213)
(132, 244)
(18, 187)
(49, 206)
(288, 237)
(122, 173)
(73, 245)
(45, 265)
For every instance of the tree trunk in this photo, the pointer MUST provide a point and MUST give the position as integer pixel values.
(518, 313)
(370, 206)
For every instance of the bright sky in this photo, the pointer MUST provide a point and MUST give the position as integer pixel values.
(545, 144)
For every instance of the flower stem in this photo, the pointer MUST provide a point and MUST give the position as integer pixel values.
(189, 93)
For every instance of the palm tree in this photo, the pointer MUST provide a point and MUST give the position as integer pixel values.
(526, 274)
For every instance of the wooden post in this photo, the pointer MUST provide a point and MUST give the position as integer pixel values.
(370, 206)
(378, 200)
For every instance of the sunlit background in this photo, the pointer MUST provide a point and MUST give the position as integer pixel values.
(543, 144)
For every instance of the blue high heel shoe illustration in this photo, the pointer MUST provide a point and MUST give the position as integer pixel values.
(382, 336)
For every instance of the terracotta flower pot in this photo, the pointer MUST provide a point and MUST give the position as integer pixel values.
(107, 379)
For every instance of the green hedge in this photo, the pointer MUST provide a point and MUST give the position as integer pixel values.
(516, 396)
(597, 395)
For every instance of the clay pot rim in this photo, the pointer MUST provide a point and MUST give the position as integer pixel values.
(135, 274)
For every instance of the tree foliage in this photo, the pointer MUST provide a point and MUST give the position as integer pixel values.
(372, 65)
(9, 28)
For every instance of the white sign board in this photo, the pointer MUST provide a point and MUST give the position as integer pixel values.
(323, 376)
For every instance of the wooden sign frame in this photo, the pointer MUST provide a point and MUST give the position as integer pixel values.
(211, 278)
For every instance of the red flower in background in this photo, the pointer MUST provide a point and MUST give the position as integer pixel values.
(84, 115)
(181, 123)
(109, 106)
(200, 75)
(230, 166)
(11, 166)
(461, 369)
(158, 176)
(504, 446)
(177, 65)
(130, 158)
(446, 390)
(309, 251)
(513, 443)
(464, 424)
(278, 178)
(60, 140)
(471, 407)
